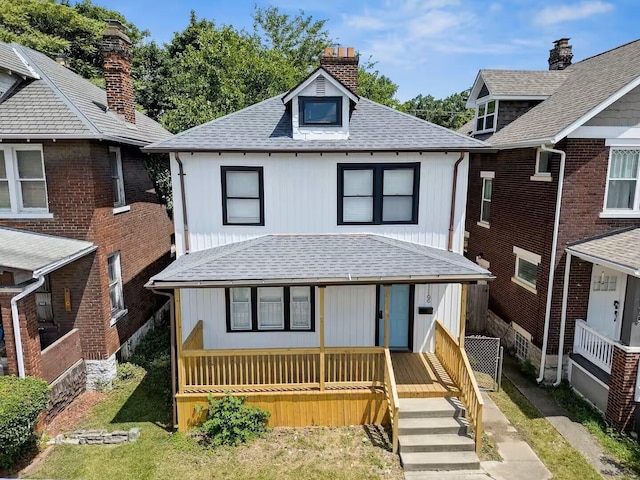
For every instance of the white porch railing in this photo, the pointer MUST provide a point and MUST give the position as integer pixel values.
(593, 345)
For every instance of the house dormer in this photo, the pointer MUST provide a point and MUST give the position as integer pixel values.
(321, 105)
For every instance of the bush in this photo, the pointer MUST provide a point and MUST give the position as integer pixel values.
(21, 401)
(128, 371)
(231, 422)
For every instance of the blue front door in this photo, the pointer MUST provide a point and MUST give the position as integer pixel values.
(399, 308)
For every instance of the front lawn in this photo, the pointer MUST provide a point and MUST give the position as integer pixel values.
(141, 400)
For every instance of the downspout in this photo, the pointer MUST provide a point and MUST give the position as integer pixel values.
(454, 187)
(552, 268)
(16, 322)
(172, 325)
(563, 317)
(185, 223)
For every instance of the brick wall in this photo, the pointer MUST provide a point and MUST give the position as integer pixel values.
(621, 407)
(343, 68)
(28, 332)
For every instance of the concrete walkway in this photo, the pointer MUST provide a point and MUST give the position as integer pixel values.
(574, 433)
(518, 459)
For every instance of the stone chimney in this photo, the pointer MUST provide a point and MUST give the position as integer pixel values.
(117, 70)
(560, 55)
(342, 65)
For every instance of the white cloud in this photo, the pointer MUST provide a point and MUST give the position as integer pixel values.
(576, 11)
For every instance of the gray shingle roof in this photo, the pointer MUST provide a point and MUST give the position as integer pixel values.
(523, 82)
(10, 61)
(621, 248)
(319, 259)
(266, 126)
(32, 252)
(63, 103)
(588, 84)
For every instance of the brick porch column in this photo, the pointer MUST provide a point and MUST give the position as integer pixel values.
(620, 406)
(29, 332)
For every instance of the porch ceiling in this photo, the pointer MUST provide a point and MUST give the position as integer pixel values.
(318, 260)
(39, 253)
(619, 250)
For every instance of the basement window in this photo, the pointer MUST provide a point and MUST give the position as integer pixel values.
(522, 347)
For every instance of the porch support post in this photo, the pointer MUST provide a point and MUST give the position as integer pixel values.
(178, 319)
(463, 315)
(563, 320)
(322, 338)
(386, 316)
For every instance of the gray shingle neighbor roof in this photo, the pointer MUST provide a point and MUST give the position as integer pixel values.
(588, 84)
(35, 252)
(523, 82)
(620, 248)
(266, 126)
(9, 61)
(62, 103)
(319, 259)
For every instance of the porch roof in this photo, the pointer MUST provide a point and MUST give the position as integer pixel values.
(39, 253)
(318, 260)
(619, 250)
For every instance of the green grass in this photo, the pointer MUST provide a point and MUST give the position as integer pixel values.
(622, 447)
(564, 462)
(142, 401)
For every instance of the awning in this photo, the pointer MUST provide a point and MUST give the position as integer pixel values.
(39, 253)
(318, 260)
(619, 250)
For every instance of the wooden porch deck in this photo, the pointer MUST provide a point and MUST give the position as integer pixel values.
(421, 375)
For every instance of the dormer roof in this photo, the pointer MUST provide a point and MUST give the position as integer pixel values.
(320, 71)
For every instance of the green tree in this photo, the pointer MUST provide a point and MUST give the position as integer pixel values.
(450, 112)
(375, 86)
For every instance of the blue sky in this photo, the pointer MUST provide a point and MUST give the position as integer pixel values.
(426, 46)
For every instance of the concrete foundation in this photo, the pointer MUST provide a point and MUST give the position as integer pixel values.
(100, 373)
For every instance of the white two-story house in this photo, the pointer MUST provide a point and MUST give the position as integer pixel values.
(319, 260)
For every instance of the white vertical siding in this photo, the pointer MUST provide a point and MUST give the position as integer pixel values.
(350, 316)
(445, 299)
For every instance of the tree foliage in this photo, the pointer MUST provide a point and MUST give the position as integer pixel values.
(450, 112)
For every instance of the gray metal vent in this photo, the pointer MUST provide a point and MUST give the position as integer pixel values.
(320, 86)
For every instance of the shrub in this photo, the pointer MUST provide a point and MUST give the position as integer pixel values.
(21, 401)
(127, 371)
(231, 422)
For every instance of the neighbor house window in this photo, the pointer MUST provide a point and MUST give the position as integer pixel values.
(242, 196)
(115, 284)
(320, 111)
(23, 187)
(623, 187)
(117, 178)
(487, 191)
(543, 163)
(378, 194)
(526, 271)
(270, 308)
(486, 113)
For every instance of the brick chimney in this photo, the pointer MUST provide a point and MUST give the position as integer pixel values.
(117, 70)
(342, 65)
(560, 55)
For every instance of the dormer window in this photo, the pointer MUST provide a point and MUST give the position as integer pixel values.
(325, 111)
(486, 116)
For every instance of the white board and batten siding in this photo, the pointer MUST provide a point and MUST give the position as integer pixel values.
(300, 197)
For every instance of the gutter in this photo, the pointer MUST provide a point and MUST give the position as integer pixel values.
(479, 149)
(185, 223)
(454, 187)
(552, 267)
(172, 325)
(65, 261)
(68, 136)
(16, 322)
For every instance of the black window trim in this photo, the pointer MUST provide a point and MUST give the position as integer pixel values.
(287, 310)
(223, 177)
(336, 100)
(378, 173)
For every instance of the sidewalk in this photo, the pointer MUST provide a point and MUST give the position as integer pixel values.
(574, 433)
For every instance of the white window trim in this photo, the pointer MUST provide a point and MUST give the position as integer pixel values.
(485, 176)
(271, 327)
(530, 257)
(121, 194)
(521, 331)
(234, 327)
(621, 212)
(485, 101)
(117, 314)
(538, 175)
(125, 208)
(15, 195)
(306, 327)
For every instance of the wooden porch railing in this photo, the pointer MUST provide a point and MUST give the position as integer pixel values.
(455, 362)
(195, 340)
(393, 402)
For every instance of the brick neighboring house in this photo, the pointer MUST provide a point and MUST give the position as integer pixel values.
(81, 227)
(577, 126)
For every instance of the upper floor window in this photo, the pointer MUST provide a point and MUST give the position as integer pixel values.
(543, 163)
(117, 178)
(325, 111)
(242, 196)
(116, 296)
(378, 194)
(486, 113)
(487, 192)
(23, 187)
(623, 185)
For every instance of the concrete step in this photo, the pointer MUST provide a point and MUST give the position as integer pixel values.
(436, 443)
(432, 426)
(430, 408)
(423, 461)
